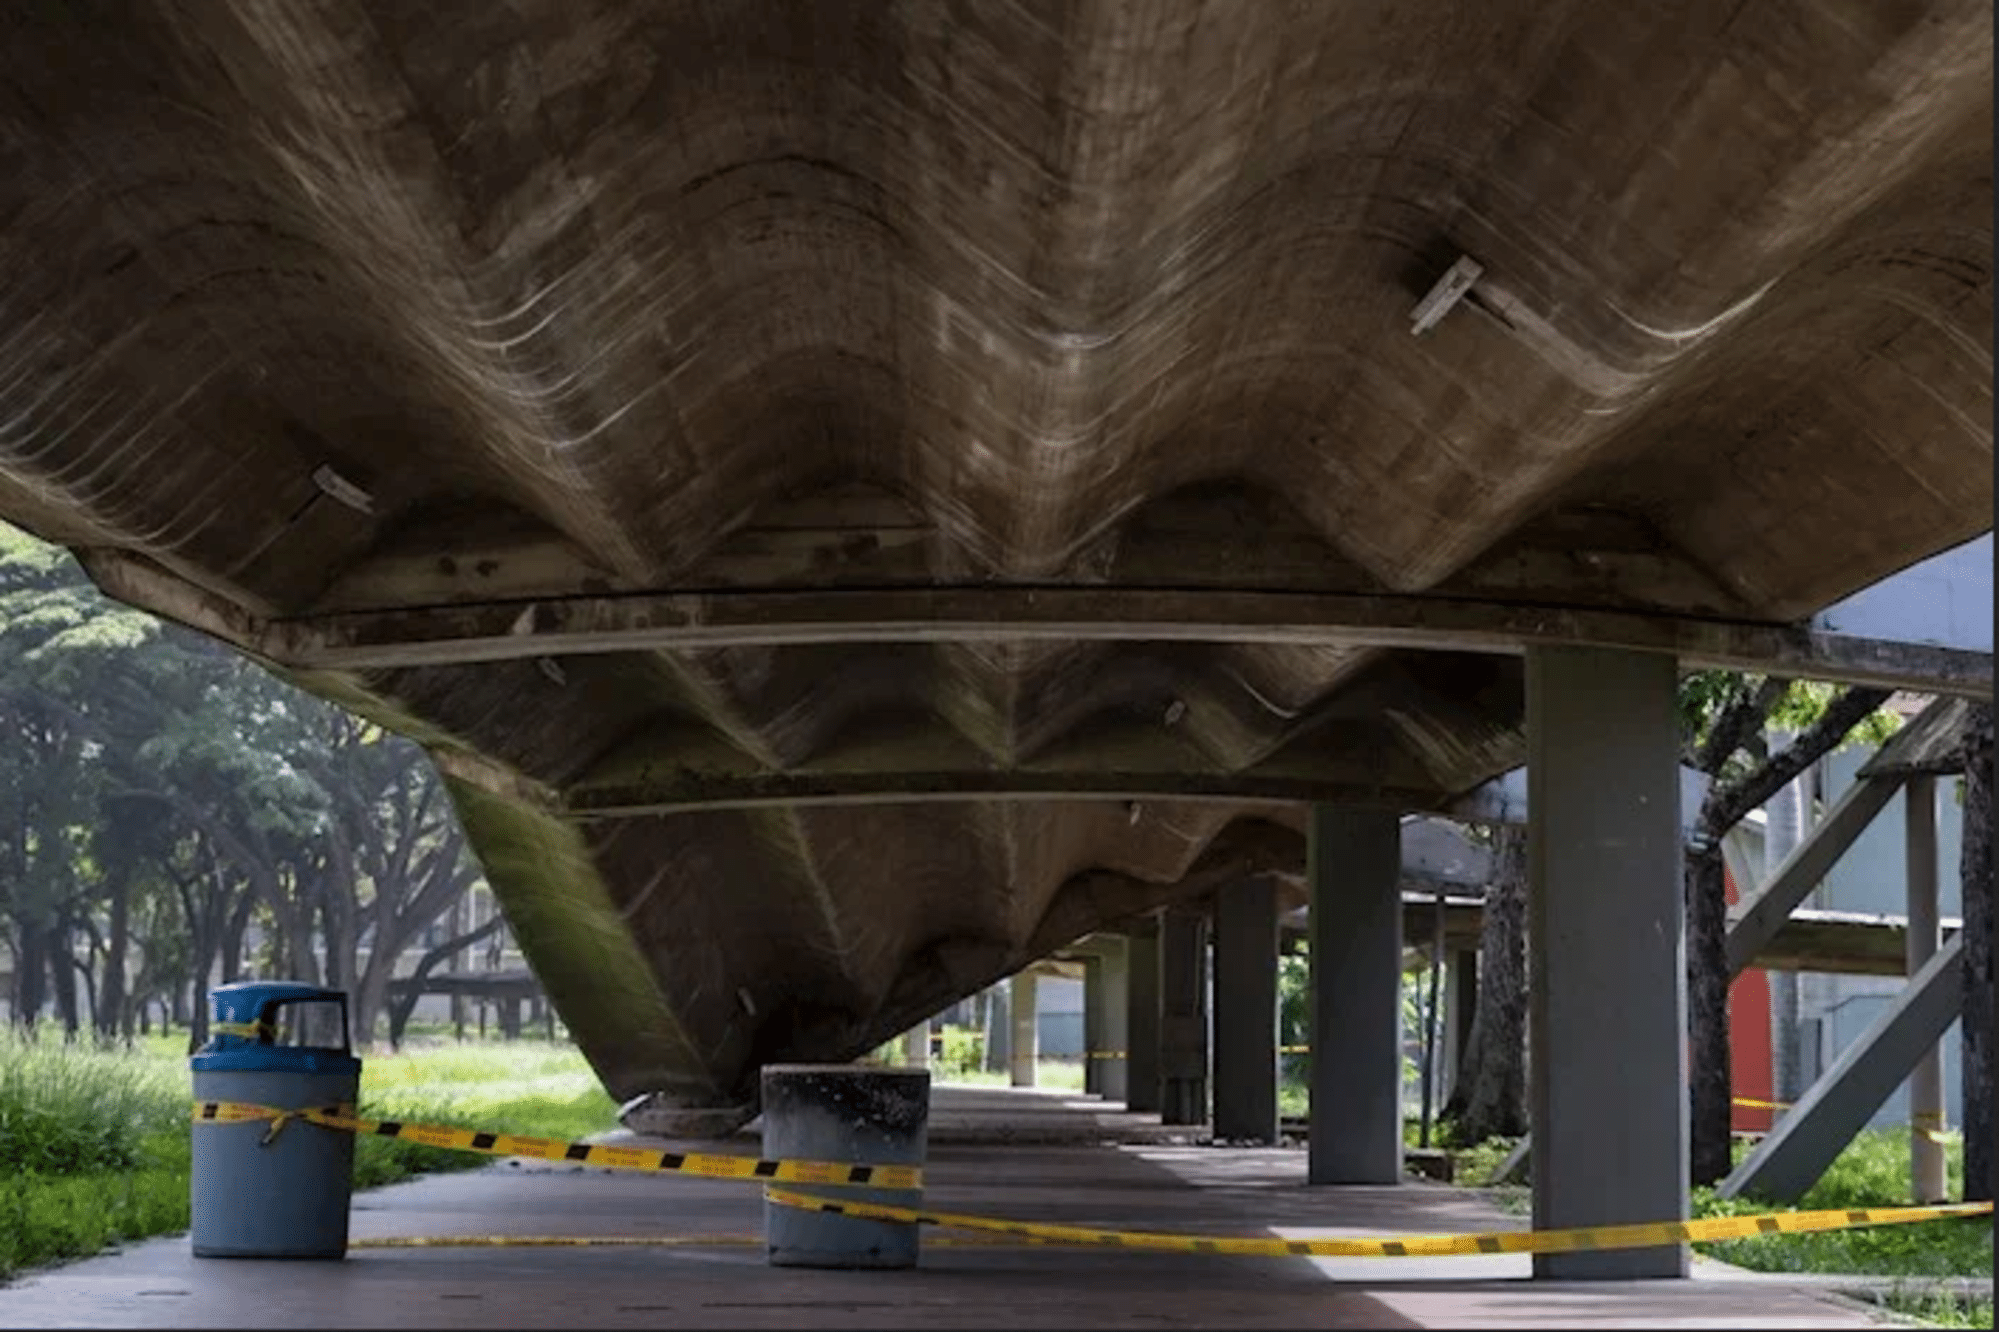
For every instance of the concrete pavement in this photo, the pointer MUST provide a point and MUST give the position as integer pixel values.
(966, 1283)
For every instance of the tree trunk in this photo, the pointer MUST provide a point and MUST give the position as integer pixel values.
(1491, 1099)
(1712, 1090)
(1975, 881)
(232, 939)
(452, 948)
(62, 979)
(112, 1010)
(30, 973)
(1727, 804)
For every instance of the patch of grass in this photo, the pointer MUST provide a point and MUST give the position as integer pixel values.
(1873, 1171)
(1937, 1308)
(67, 1109)
(95, 1145)
(1474, 1165)
(1052, 1074)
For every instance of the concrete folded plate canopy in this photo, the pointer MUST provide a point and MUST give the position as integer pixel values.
(718, 432)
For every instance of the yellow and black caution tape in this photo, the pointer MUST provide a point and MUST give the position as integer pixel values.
(649, 1242)
(556, 1242)
(584, 1153)
(1573, 1240)
(253, 1030)
(1121, 1054)
(1930, 1124)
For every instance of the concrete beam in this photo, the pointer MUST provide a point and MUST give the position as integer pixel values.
(1606, 941)
(1178, 773)
(1790, 1159)
(1353, 860)
(638, 622)
(1759, 919)
(1246, 1012)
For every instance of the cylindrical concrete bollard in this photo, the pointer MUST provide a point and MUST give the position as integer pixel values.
(255, 1195)
(838, 1112)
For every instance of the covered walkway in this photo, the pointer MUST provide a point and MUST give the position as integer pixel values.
(1041, 1156)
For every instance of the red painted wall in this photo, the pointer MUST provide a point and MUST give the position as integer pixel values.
(1749, 1059)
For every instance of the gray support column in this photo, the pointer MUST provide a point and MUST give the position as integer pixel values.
(1246, 1012)
(999, 1028)
(1142, 1013)
(1183, 1017)
(1025, 1047)
(1093, 1026)
(1606, 950)
(1116, 1021)
(916, 1045)
(1353, 863)
(1927, 1179)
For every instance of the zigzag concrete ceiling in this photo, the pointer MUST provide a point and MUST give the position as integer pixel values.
(702, 422)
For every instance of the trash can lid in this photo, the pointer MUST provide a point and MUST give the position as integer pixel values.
(244, 1001)
(244, 1036)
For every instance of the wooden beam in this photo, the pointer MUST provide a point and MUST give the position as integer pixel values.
(1932, 745)
(1762, 916)
(1790, 1159)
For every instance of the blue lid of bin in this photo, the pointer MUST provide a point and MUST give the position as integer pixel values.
(249, 1021)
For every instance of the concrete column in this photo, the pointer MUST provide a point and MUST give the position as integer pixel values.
(1183, 1017)
(1246, 1012)
(1607, 953)
(916, 1045)
(1116, 1017)
(999, 1029)
(1093, 1026)
(1025, 1047)
(1353, 864)
(1142, 1015)
(1927, 1179)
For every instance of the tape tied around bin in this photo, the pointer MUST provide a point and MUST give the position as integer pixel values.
(709, 1165)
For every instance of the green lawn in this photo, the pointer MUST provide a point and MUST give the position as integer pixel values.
(94, 1145)
(1054, 1074)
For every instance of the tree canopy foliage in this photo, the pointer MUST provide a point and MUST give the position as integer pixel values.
(173, 816)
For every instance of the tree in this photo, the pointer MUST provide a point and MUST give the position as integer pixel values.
(1490, 1097)
(160, 794)
(1725, 717)
(1975, 880)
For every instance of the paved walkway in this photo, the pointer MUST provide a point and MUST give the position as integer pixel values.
(1036, 1175)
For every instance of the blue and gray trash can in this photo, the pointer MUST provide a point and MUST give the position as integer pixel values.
(257, 1194)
